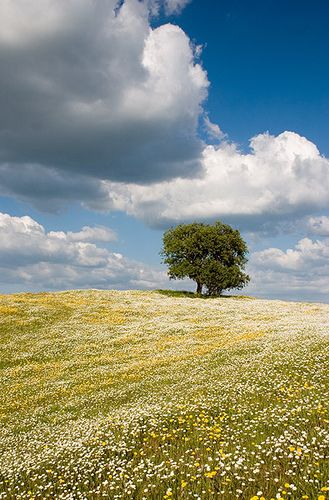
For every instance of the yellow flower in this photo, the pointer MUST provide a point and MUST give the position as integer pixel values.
(255, 497)
(325, 488)
(183, 483)
(286, 485)
(211, 474)
(321, 497)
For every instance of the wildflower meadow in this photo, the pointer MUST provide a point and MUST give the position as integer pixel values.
(143, 395)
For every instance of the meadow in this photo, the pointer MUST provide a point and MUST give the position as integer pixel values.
(143, 395)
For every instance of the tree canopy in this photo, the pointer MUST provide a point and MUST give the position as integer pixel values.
(214, 256)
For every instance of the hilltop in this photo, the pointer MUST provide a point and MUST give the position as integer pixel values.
(108, 394)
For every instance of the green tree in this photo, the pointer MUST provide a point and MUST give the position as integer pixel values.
(214, 256)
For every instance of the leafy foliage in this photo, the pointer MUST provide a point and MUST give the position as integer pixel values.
(213, 256)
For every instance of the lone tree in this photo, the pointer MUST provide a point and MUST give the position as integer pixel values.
(214, 256)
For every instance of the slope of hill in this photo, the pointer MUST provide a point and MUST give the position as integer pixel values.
(140, 395)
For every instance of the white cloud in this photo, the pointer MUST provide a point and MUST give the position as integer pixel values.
(87, 233)
(175, 6)
(99, 107)
(90, 89)
(319, 225)
(170, 7)
(37, 259)
(27, 20)
(281, 176)
(301, 272)
(306, 256)
(33, 259)
(213, 130)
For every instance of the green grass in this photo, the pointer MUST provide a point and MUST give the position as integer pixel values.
(181, 293)
(194, 295)
(152, 395)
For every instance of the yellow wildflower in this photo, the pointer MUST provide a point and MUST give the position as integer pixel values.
(211, 474)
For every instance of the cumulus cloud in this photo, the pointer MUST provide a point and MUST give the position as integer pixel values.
(87, 233)
(175, 6)
(33, 258)
(281, 180)
(282, 176)
(305, 255)
(90, 89)
(213, 130)
(51, 190)
(301, 271)
(170, 7)
(319, 225)
(100, 108)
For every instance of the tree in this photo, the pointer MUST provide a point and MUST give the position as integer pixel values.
(214, 256)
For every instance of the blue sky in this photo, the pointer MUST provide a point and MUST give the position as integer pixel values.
(267, 64)
(127, 118)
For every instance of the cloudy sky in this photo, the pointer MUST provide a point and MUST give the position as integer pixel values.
(120, 119)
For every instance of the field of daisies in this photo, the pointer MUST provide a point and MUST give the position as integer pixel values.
(143, 395)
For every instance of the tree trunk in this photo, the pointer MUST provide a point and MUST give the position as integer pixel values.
(198, 287)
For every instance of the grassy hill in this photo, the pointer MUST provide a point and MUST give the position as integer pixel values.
(142, 395)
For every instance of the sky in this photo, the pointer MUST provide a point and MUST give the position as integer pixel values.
(120, 119)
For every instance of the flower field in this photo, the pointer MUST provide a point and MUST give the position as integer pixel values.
(140, 395)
